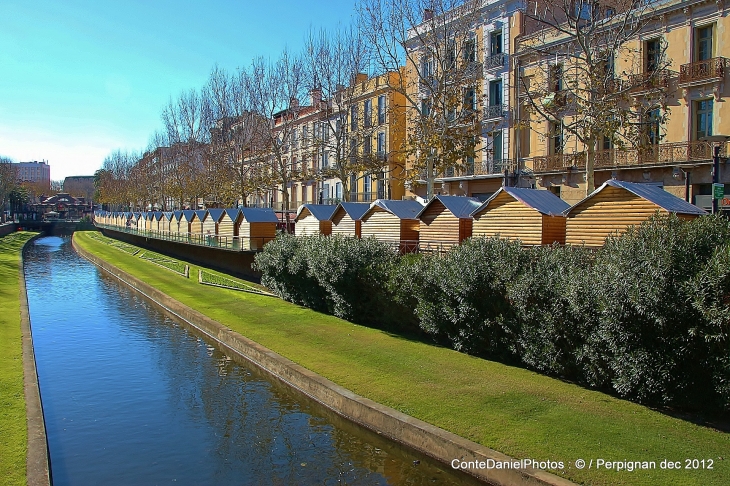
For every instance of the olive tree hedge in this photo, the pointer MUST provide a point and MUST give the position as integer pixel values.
(645, 317)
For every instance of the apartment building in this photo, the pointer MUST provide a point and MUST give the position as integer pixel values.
(34, 172)
(669, 80)
(459, 79)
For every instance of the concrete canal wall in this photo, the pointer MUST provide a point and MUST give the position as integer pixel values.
(428, 439)
(236, 263)
(37, 465)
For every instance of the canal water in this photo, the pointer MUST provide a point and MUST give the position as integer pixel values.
(132, 397)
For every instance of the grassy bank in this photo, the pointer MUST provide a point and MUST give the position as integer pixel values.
(509, 409)
(13, 425)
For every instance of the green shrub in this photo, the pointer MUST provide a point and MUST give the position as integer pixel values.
(554, 303)
(462, 296)
(646, 319)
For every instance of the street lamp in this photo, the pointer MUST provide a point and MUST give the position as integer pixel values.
(717, 192)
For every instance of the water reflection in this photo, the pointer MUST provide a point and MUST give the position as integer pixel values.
(130, 396)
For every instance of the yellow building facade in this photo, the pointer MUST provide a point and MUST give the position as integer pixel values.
(679, 103)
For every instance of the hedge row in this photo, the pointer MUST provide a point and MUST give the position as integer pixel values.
(646, 316)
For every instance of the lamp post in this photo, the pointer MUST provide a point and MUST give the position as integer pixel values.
(717, 190)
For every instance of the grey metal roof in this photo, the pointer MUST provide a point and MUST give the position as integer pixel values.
(216, 214)
(321, 212)
(259, 215)
(459, 206)
(659, 196)
(650, 192)
(407, 209)
(540, 200)
(355, 210)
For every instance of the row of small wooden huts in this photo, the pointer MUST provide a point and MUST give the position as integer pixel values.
(251, 226)
(535, 217)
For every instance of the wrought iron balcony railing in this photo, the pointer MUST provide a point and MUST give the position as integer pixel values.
(650, 81)
(707, 70)
(495, 61)
(650, 155)
(487, 167)
(492, 112)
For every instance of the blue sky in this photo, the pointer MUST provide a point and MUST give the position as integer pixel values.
(79, 79)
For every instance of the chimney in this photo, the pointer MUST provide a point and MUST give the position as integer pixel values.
(316, 96)
(427, 14)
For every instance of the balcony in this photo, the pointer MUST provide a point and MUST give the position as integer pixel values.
(495, 61)
(473, 69)
(666, 154)
(649, 81)
(701, 72)
(487, 167)
(493, 112)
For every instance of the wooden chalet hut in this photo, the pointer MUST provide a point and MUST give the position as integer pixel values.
(347, 218)
(175, 221)
(151, 221)
(210, 222)
(446, 220)
(393, 222)
(257, 227)
(228, 223)
(533, 216)
(615, 206)
(314, 219)
(134, 220)
(196, 222)
(188, 215)
(161, 219)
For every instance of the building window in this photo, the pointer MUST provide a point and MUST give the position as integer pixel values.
(703, 43)
(451, 54)
(367, 146)
(381, 186)
(557, 140)
(338, 190)
(381, 109)
(353, 187)
(368, 113)
(497, 145)
(425, 108)
(703, 118)
(381, 144)
(353, 118)
(366, 184)
(426, 68)
(470, 99)
(653, 51)
(325, 159)
(495, 43)
(651, 130)
(470, 49)
(495, 93)
(556, 78)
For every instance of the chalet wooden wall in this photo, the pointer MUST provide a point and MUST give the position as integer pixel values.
(438, 224)
(343, 224)
(553, 229)
(255, 235)
(611, 211)
(228, 227)
(382, 225)
(509, 219)
(307, 225)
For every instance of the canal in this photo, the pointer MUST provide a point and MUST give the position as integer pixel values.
(131, 396)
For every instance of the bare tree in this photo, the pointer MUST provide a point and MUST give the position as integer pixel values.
(8, 180)
(436, 39)
(187, 121)
(336, 64)
(115, 182)
(586, 76)
(275, 90)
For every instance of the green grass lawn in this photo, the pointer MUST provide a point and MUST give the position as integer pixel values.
(514, 411)
(13, 426)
